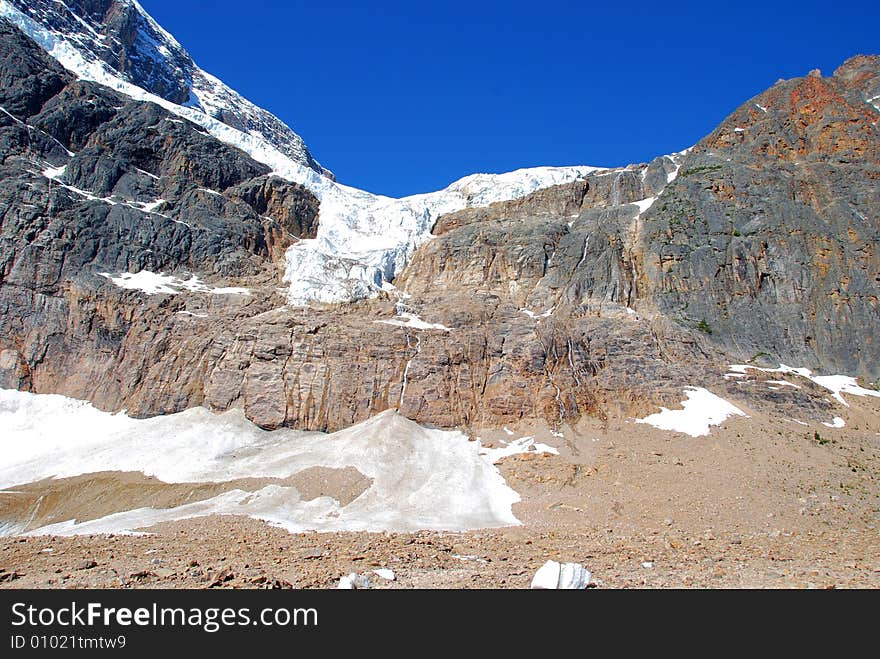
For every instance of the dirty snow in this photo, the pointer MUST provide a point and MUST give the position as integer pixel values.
(516, 447)
(837, 422)
(421, 478)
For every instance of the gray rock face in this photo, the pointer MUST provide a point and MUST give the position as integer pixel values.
(132, 46)
(28, 78)
(143, 190)
(769, 235)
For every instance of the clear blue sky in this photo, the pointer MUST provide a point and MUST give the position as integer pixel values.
(405, 97)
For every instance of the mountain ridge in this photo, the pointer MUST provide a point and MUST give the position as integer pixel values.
(118, 38)
(495, 300)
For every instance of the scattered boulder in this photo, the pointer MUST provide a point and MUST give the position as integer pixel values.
(561, 576)
(354, 581)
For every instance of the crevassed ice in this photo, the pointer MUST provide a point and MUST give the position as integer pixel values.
(363, 239)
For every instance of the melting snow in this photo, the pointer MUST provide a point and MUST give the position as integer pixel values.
(836, 384)
(149, 206)
(782, 383)
(412, 321)
(152, 283)
(421, 478)
(645, 204)
(536, 316)
(516, 447)
(837, 422)
(701, 409)
(54, 173)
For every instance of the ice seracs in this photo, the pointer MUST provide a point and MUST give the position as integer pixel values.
(365, 240)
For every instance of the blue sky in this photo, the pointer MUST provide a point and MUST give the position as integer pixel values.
(405, 97)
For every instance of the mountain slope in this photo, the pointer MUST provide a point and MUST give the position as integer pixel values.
(129, 235)
(116, 41)
(363, 240)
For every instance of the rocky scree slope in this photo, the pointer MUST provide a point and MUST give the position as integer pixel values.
(604, 296)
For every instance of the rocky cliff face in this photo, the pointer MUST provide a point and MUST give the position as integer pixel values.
(93, 182)
(601, 297)
(769, 234)
(119, 39)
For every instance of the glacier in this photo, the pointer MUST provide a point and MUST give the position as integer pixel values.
(363, 240)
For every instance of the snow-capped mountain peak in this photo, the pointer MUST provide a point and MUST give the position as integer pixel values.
(117, 43)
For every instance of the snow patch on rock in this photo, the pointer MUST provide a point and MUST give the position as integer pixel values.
(836, 384)
(700, 410)
(153, 283)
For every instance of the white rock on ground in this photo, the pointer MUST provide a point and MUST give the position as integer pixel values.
(385, 573)
(354, 581)
(561, 576)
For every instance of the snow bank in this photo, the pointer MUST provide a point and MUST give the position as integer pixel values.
(837, 422)
(421, 478)
(412, 321)
(701, 409)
